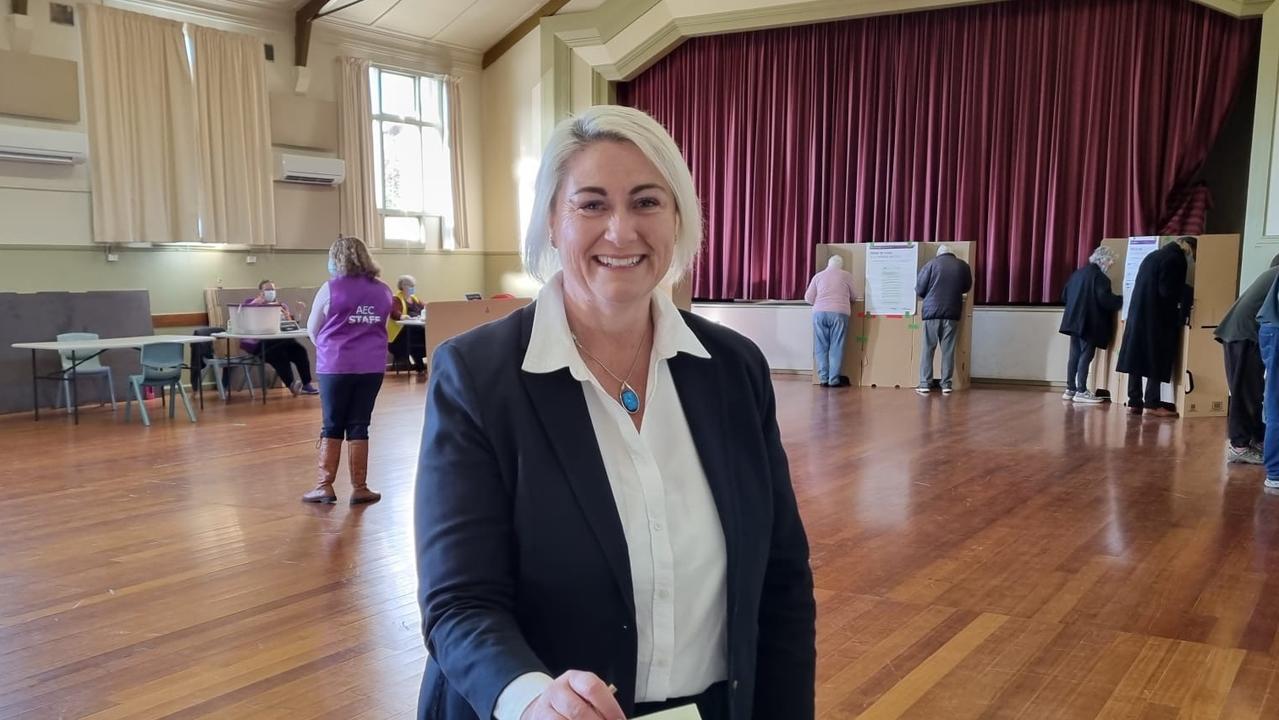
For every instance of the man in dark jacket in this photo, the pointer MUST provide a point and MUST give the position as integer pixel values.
(1155, 316)
(942, 283)
(1245, 373)
(1089, 320)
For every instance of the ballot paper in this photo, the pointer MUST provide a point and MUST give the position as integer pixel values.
(688, 712)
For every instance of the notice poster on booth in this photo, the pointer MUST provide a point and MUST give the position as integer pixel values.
(1138, 249)
(890, 278)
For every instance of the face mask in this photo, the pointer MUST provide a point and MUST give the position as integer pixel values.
(410, 292)
(269, 295)
(333, 267)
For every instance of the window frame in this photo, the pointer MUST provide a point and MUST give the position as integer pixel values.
(443, 240)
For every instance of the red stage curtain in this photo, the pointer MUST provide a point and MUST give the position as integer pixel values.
(1034, 128)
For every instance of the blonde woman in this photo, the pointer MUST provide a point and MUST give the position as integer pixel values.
(602, 494)
(348, 327)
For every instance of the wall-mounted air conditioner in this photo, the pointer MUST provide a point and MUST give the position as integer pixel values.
(309, 170)
(19, 143)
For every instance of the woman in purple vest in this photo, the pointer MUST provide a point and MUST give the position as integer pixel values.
(348, 327)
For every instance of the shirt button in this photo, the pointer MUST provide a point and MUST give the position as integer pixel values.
(657, 527)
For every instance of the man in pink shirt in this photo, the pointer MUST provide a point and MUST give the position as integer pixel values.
(831, 293)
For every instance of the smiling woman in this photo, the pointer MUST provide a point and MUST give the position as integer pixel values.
(648, 439)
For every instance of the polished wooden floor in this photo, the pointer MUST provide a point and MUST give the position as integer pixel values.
(994, 554)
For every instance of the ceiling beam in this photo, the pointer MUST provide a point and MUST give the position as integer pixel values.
(302, 30)
(549, 8)
(307, 15)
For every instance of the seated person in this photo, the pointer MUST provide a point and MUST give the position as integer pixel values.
(282, 354)
(406, 343)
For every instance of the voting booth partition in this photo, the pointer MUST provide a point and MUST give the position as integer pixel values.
(1198, 387)
(884, 350)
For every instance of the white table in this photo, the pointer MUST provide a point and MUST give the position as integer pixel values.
(261, 340)
(84, 350)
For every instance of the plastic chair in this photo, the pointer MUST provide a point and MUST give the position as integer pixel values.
(206, 359)
(90, 367)
(161, 368)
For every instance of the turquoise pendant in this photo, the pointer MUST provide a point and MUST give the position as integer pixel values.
(630, 399)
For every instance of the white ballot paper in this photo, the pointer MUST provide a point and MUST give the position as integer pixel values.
(688, 712)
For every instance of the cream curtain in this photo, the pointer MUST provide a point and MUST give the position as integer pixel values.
(357, 213)
(453, 106)
(236, 200)
(140, 108)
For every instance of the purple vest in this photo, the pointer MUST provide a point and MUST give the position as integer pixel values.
(352, 338)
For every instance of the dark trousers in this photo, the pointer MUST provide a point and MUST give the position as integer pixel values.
(1246, 377)
(281, 354)
(409, 345)
(712, 704)
(1152, 399)
(347, 404)
(1078, 364)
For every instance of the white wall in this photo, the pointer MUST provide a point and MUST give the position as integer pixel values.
(512, 148)
(42, 206)
(783, 331)
(1009, 343)
(1019, 343)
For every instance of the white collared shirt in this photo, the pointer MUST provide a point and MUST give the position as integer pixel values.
(674, 540)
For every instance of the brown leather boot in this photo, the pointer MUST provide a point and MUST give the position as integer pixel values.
(358, 464)
(326, 471)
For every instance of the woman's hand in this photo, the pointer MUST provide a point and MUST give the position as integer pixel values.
(575, 695)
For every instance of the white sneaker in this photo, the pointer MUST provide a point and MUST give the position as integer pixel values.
(1243, 456)
(1068, 395)
(1272, 483)
(923, 390)
(1088, 398)
(947, 391)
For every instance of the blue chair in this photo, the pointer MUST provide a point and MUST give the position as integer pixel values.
(90, 368)
(162, 368)
(205, 358)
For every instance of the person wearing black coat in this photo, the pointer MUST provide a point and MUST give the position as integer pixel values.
(1089, 320)
(1156, 311)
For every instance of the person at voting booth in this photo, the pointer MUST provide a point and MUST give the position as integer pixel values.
(1089, 320)
(282, 355)
(1156, 311)
(1245, 374)
(941, 284)
(831, 293)
(606, 526)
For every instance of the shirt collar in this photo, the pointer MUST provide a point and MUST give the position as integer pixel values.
(551, 346)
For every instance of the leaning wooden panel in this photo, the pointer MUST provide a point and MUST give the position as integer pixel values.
(450, 319)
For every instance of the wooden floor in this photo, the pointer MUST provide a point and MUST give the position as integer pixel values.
(995, 554)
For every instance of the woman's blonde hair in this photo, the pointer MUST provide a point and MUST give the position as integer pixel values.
(612, 123)
(352, 258)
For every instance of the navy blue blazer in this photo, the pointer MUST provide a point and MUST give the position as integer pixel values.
(522, 563)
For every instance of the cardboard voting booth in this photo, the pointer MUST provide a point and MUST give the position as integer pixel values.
(1198, 386)
(884, 350)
